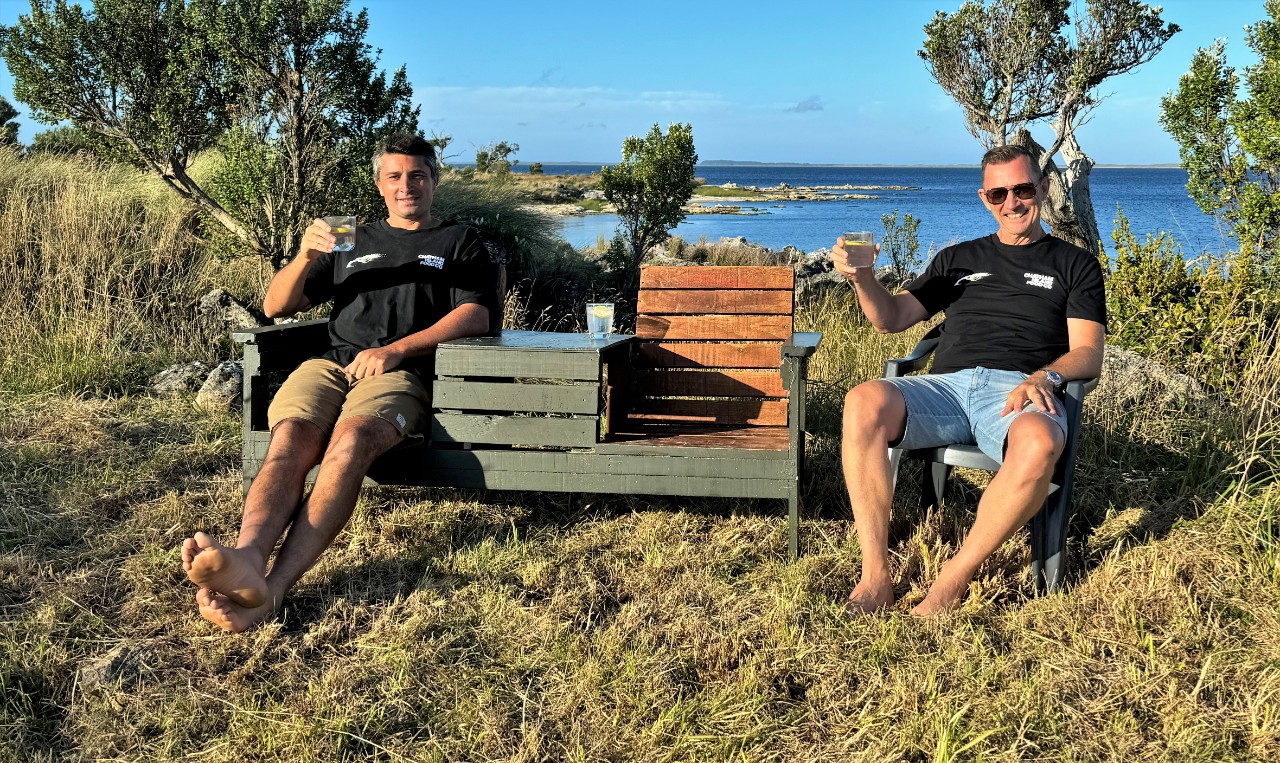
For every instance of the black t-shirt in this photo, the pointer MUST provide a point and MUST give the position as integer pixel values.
(1007, 306)
(397, 282)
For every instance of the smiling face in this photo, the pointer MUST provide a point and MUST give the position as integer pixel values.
(407, 186)
(1019, 219)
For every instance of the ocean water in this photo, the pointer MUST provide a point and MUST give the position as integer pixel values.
(947, 204)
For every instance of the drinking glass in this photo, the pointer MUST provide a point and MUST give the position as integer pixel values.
(344, 230)
(599, 319)
(858, 238)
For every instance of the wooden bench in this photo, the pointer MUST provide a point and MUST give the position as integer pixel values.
(706, 400)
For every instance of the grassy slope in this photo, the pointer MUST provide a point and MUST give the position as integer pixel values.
(452, 625)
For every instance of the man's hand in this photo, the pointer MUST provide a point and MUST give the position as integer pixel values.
(848, 261)
(374, 361)
(317, 239)
(1035, 389)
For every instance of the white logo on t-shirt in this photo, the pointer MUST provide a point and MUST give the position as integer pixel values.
(365, 259)
(1035, 279)
(431, 260)
(973, 277)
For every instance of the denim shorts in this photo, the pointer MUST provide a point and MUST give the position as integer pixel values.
(962, 408)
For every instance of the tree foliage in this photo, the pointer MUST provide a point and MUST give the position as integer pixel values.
(901, 245)
(286, 89)
(496, 158)
(649, 188)
(8, 125)
(1229, 145)
(1011, 64)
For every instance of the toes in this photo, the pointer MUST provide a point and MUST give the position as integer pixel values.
(204, 541)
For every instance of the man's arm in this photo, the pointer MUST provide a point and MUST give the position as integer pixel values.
(1087, 340)
(284, 293)
(461, 321)
(888, 313)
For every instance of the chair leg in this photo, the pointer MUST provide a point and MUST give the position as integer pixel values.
(934, 487)
(895, 460)
(793, 522)
(1049, 544)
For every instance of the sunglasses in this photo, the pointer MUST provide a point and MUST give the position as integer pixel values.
(996, 196)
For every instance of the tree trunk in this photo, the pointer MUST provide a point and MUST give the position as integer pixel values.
(1079, 165)
(1060, 210)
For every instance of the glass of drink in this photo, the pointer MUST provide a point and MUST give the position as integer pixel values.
(344, 230)
(858, 238)
(599, 319)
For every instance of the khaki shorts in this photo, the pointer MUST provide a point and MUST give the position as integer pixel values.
(321, 392)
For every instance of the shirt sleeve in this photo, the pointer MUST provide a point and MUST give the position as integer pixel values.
(935, 288)
(1087, 298)
(474, 278)
(318, 288)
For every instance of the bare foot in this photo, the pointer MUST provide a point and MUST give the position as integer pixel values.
(942, 599)
(228, 615)
(233, 572)
(869, 597)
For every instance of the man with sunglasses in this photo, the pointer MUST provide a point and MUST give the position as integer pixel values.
(1025, 313)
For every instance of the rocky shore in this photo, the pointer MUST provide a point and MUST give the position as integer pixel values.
(727, 199)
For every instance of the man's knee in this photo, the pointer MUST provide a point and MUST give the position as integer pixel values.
(1034, 443)
(361, 439)
(296, 439)
(875, 407)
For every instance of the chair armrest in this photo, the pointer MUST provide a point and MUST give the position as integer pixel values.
(803, 344)
(919, 357)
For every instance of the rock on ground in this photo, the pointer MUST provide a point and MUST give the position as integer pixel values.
(223, 389)
(180, 378)
(227, 313)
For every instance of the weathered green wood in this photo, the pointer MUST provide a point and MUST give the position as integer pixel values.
(530, 364)
(612, 448)
(498, 396)
(568, 482)
(515, 430)
(425, 459)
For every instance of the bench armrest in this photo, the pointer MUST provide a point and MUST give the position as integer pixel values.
(280, 332)
(803, 344)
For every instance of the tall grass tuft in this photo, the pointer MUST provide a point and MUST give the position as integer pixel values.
(102, 268)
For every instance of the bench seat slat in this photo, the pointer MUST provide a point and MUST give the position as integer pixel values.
(709, 355)
(718, 412)
(686, 277)
(692, 382)
(731, 327)
(728, 302)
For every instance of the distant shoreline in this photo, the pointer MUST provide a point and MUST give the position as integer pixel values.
(726, 163)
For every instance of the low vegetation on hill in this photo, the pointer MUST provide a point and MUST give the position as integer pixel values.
(463, 625)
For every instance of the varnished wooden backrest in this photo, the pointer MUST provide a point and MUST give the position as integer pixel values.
(709, 345)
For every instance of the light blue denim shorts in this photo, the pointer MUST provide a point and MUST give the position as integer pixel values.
(962, 408)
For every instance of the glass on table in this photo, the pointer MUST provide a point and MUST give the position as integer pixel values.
(599, 319)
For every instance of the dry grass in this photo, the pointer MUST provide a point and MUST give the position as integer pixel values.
(455, 625)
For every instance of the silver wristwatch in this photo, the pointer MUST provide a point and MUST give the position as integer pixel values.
(1054, 378)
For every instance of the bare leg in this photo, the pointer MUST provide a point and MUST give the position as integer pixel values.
(239, 573)
(874, 415)
(355, 444)
(1014, 496)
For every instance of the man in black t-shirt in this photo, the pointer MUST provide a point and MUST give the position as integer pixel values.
(410, 283)
(1025, 313)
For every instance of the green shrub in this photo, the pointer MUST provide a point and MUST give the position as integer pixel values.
(1207, 319)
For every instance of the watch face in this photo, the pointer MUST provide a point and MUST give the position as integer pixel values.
(1054, 377)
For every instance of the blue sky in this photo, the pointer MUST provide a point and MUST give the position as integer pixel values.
(815, 81)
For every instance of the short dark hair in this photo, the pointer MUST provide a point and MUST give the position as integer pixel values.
(1009, 153)
(409, 144)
